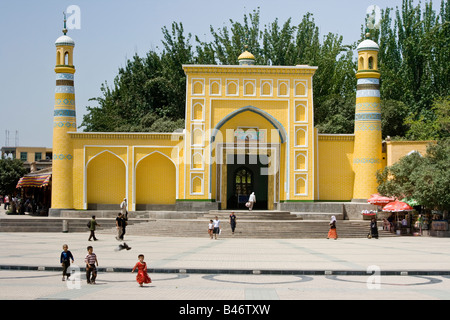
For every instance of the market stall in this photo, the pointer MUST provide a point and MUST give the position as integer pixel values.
(35, 192)
(401, 210)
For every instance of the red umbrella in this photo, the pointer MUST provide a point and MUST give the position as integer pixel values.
(397, 206)
(379, 200)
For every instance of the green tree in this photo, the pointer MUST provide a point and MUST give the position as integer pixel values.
(11, 170)
(433, 177)
(414, 62)
(436, 127)
(393, 116)
(424, 178)
(414, 59)
(396, 180)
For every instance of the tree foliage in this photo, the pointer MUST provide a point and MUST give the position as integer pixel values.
(11, 170)
(423, 178)
(414, 60)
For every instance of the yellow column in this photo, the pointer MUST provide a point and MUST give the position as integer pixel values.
(367, 157)
(64, 121)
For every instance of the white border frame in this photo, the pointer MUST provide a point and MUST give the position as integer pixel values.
(86, 163)
(305, 83)
(193, 82)
(227, 83)
(303, 128)
(193, 109)
(261, 90)
(191, 180)
(297, 153)
(303, 102)
(244, 87)
(211, 82)
(303, 176)
(279, 83)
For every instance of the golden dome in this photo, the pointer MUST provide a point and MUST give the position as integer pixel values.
(246, 55)
(246, 58)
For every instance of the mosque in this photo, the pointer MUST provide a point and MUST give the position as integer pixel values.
(248, 128)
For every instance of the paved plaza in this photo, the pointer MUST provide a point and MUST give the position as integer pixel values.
(227, 269)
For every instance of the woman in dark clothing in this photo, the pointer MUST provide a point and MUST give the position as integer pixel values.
(373, 229)
(232, 222)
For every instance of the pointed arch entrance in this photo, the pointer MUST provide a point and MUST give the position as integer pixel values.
(155, 182)
(251, 138)
(242, 181)
(105, 181)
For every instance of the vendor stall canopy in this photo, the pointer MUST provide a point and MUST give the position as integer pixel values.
(37, 180)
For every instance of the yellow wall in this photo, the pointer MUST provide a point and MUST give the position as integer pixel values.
(284, 93)
(106, 183)
(153, 168)
(335, 170)
(141, 167)
(155, 180)
(398, 149)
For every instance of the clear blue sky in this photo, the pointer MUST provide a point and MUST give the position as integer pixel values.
(29, 28)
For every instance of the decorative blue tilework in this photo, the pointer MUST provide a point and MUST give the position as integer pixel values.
(368, 106)
(64, 102)
(64, 76)
(367, 93)
(368, 81)
(364, 126)
(367, 160)
(62, 157)
(67, 124)
(64, 113)
(367, 116)
(64, 89)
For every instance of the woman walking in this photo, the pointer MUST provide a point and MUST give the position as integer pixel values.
(332, 233)
(373, 229)
(232, 222)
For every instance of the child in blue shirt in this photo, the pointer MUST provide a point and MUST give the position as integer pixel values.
(65, 258)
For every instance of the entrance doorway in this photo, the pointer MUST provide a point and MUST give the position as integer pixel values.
(243, 178)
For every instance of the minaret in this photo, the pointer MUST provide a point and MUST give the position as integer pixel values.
(64, 121)
(367, 147)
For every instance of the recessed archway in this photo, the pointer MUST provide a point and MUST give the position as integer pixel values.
(155, 181)
(105, 181)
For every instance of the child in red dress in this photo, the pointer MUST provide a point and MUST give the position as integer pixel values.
(142, 276)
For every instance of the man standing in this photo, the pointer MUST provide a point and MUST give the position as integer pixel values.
(6, 200)
(252, 200)
(123, 208)
(93, 224)
(216, 230)
(119, 222)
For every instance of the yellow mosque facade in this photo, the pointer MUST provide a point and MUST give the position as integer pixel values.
(248, 128)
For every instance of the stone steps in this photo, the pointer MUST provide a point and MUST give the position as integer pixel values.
(249, 229)
(250, 224)
(34, 224)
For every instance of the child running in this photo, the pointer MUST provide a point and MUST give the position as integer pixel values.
(65, 258)
(142, 276)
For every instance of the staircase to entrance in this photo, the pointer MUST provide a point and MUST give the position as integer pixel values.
(250, 224)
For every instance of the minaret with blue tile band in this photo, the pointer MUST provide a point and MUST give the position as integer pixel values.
(367, 158)
(64, 121)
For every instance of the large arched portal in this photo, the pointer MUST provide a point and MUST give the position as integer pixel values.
(248, 144)
(106, 181)
(155, 182)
